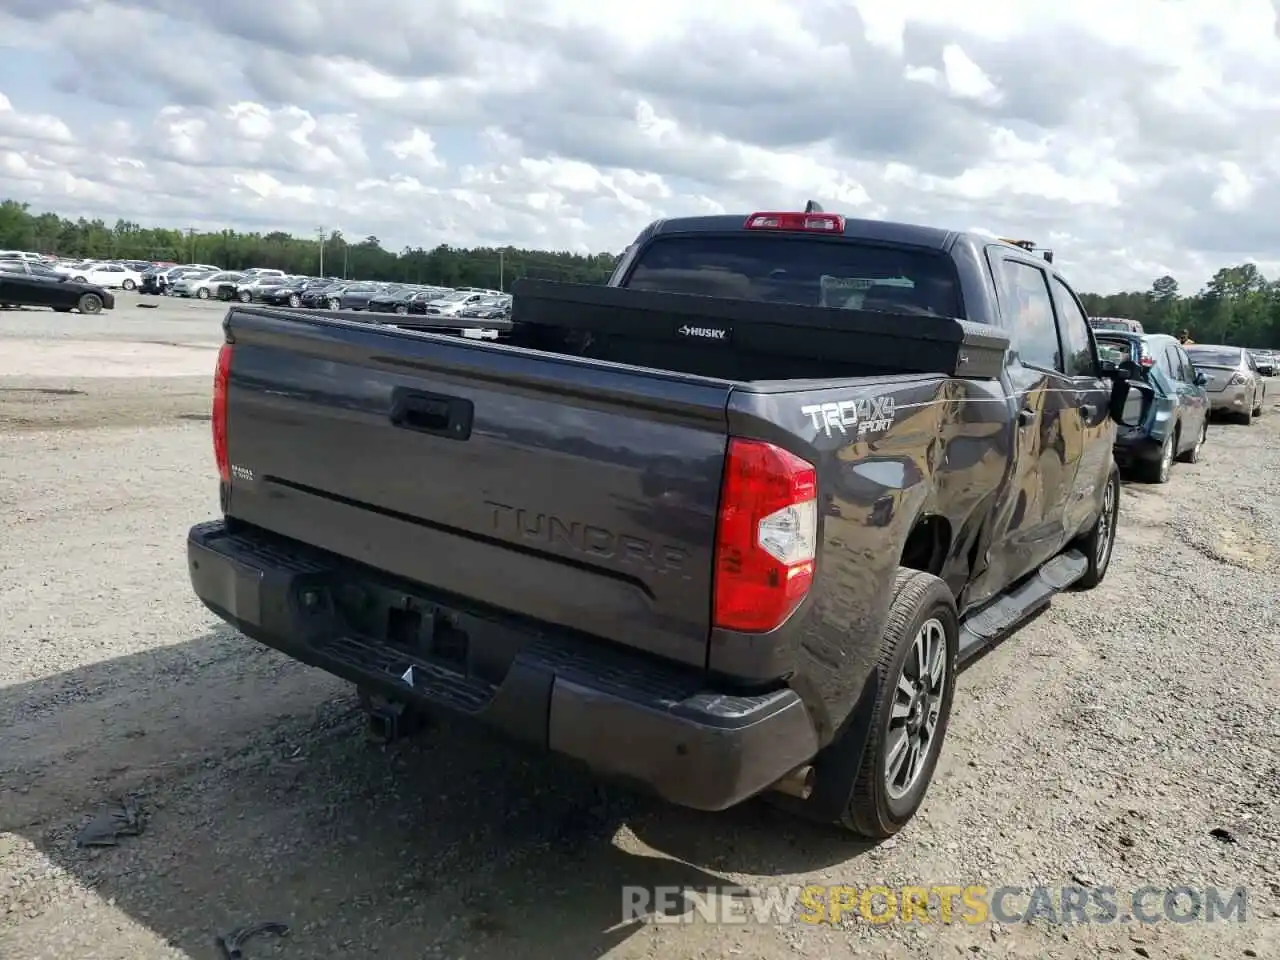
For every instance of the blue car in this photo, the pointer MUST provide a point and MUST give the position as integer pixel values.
(1176, 424)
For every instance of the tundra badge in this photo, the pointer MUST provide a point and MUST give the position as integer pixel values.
(861, 417)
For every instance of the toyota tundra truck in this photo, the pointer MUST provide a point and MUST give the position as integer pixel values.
(725, 526)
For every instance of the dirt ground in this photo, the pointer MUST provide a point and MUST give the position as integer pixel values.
(1128, 737)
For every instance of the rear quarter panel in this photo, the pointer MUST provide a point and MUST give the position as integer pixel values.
(944, 453)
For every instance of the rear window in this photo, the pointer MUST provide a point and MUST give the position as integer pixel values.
(1213, 357)
(848, 275)
(1115, 349)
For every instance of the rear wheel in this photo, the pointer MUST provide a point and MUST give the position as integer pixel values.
(1158, 470)
(1193, 455)
(295, 300)
(334, 304)
(899, 748)
(202, 293)
(128, 285)
(89, 303)
(244, 296)
(1098, 544)
(401, 309)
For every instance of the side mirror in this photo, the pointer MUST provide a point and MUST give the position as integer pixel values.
(1201, 378)
(1129, 399)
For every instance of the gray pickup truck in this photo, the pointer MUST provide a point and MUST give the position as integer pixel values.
(726, 526)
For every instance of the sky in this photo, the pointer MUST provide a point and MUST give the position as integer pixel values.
(1134, 137)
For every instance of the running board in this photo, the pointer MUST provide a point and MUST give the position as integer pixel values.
(986, 627)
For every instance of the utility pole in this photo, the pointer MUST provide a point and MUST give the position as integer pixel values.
(320, 235)
(502, 270)
(191, 245)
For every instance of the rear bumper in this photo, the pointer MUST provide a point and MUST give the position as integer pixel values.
(1230, 400)
(1136, 447)
(622, 715)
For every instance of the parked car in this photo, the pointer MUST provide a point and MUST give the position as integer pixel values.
(33, 286)
(1235, 385)
(289, 293)
(202, 285)
(726, 548)
(325, 295)
(253, 287)
(109, 275)
(354, 296)
(1176, 425)
(490, 308)
(1265, 361)
(1116, 323)
(451, 303)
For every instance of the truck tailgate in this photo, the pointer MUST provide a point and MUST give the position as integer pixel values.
(573, 492)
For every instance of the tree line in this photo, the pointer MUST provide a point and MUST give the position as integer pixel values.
(1238, 305)
(337, 256)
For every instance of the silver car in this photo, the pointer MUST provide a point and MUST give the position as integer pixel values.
(1233, 382)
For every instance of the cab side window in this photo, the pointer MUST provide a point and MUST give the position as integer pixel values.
(1076, 341)
(1029, 309)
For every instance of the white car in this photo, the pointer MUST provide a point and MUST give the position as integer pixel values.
(202, 286)
(450, 304)
(110, 275)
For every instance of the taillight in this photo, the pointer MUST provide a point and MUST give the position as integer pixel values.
(766, 536)
(221, 383)
(1147, 360)
(810, 222)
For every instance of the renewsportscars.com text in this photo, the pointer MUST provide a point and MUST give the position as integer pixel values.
(935, 904)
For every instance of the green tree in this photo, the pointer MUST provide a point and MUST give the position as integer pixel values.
(20, 229)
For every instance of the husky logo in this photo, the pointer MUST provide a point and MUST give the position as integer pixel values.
(857, 417)
(704, 333)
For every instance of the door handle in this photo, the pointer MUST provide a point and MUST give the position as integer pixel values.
(440, 416)
(1026, 416)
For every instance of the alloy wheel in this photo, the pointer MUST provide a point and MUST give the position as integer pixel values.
(917, 704)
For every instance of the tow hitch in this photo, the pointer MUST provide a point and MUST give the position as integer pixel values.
(390, 720)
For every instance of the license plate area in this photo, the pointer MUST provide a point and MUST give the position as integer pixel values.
(457, 640)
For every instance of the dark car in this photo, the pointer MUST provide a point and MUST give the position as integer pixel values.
(726, 526)
(1176, 425)
(495, 308)
(392, 301)
(32, 285)
(355, 296)
(325, 296)
(290, 293)
(151, 280)
(1265, 360)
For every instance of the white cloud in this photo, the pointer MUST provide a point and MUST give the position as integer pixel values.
(1130, 136)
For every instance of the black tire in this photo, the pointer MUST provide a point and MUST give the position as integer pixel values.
(402, 310)
(1160, 469)
(335, 304)
(1257, 411)
(1100, 534)
(89, 303)
(918, 599)
(202, 293)
(1193, 455)
(295, 300)
(244, 296)
(128, 285)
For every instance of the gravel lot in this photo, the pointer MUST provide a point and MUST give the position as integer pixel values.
(1104, 744)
